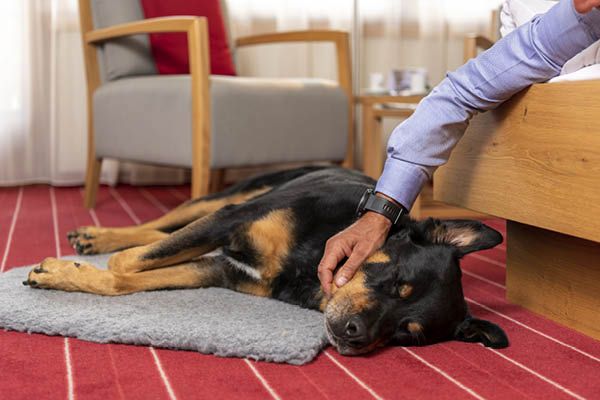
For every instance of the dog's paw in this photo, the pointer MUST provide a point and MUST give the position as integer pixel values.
(55, 274)
(87, 240)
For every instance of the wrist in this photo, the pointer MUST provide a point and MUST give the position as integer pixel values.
(374, 218)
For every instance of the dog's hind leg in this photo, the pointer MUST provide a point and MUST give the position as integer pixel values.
(94, 240)
(73, 276)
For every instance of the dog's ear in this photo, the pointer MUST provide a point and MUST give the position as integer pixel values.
(480, 331)
(466, 235)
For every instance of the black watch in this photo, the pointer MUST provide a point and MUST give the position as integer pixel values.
(371, 202)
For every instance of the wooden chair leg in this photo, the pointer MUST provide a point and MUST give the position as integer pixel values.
(200, 181)
(92, 180)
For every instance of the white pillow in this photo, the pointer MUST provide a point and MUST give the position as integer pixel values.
(517, 12)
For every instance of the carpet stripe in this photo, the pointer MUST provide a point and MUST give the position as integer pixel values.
(262, 380)
(32, 365)
(548, 359)
(542, 377)
(481, 268)
(176, 193)
(491, 300)
(68, 364)
(163, 375)
(166, 197)
(202, 376)
(110, 212)
(11, 230)
(393, 373)
(488, 260)
(351, 375)
(483, 279)
(125, 206)
(487, 375)
(521, 324)
(289, 381)
(152, 199)
(444, 374)
(92, 364)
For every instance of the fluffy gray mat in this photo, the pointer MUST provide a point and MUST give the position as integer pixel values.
(213, 320)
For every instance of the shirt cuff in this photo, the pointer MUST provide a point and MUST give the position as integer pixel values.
(402, 181)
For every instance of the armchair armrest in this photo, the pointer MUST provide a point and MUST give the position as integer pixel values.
(474, 42)
(339, 38)
(151, 25)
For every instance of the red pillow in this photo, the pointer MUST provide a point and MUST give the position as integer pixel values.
(170, 49)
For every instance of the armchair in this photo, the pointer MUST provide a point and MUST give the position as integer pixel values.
(201, 121)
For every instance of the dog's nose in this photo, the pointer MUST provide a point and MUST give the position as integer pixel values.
(355, 328)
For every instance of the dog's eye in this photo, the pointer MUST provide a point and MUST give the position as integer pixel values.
(405, 291)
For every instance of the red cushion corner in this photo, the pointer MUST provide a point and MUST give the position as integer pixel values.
(170, 50)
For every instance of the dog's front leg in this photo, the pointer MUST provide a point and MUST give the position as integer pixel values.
(74, 276)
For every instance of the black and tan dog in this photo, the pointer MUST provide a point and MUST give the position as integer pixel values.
(265, 236)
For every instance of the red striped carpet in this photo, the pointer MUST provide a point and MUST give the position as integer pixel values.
(545, 360)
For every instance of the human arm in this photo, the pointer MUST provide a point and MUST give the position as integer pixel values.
(533, 53)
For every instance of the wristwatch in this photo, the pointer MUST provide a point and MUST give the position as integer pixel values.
(371, 202)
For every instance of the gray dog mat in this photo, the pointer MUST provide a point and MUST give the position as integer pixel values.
(213, 320)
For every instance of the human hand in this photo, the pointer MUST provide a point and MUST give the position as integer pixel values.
(585, 6)
(357, 242)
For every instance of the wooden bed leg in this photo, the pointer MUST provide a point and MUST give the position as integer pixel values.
(555, 275)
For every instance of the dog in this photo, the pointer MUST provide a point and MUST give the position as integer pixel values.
(265, 236)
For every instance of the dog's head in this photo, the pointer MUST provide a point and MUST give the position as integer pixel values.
(410, 292)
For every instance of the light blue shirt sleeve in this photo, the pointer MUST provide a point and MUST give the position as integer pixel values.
(533, 53)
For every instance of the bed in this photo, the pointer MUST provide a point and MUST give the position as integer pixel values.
(535, 161)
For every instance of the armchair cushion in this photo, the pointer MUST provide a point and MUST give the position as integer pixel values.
(254, 120)
(170, 49)
(127, 56)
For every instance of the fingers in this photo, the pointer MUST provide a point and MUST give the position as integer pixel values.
(359, 254)
(334, 253)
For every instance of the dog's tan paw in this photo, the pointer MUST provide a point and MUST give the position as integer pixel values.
(90, 240)
(56, 274)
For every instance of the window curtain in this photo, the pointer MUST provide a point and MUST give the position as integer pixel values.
(42, 84)
(43, 121)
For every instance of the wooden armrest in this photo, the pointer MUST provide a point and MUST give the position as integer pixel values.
(339, 38)
(293, 36)
(474, 42)
(151, 25)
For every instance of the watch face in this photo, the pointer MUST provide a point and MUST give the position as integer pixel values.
(363, 202)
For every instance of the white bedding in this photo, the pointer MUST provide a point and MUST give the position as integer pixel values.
(584, 66)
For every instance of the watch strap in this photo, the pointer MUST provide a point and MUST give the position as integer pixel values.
(371, 202)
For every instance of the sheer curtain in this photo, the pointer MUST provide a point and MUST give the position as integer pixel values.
(43, 134)
(42, 93)
(390, 34)
(42, 85)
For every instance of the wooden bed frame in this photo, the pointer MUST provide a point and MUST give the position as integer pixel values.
(535, 161)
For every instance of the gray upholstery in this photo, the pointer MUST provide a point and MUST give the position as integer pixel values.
(254, 120)
(128, 56)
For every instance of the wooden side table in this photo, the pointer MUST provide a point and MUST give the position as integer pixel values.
(374, 109)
